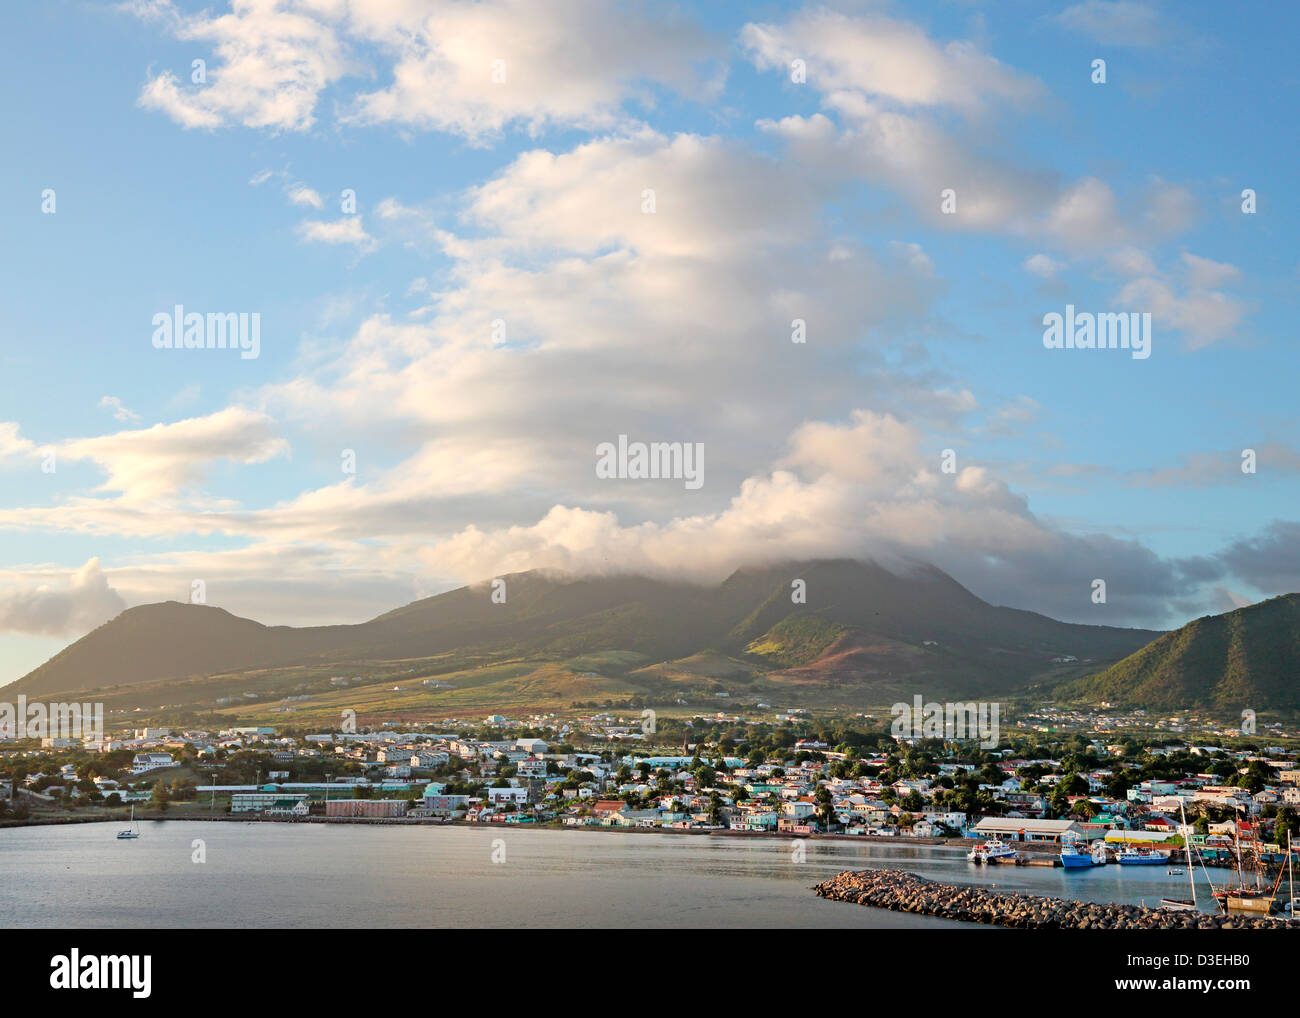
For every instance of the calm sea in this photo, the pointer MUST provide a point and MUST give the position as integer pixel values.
(312, 875)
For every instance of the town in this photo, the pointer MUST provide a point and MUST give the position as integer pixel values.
(791, 775)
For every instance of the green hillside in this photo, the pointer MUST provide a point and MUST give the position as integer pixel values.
(1248, 658)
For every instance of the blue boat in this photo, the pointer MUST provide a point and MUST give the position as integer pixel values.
(1074, 856)
(1141, 857)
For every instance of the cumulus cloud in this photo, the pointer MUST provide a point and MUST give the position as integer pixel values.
(863, 489)
(151, 463)
(273, 61)
(12, 443)
(472, 69)
(884, 58)
(344, 230)
(1189, 300)
(301, 194)
(46, 602)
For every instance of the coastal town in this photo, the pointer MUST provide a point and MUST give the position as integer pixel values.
(791, 776)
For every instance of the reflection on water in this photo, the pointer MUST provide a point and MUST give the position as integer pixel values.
(310, 875)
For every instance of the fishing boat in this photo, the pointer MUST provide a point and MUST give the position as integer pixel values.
(1100, 853)
(1073, 855)
(129, 832)
(1184, 904)
(991, 851)
(1140, 857)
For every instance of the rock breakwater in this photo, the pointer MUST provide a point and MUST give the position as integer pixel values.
(905, 892)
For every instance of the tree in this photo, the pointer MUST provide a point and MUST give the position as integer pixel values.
(161, 796)
(825, 807)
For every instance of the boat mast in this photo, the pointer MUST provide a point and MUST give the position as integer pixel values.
(1187, 843)
(1289, 879)
(1236, 834)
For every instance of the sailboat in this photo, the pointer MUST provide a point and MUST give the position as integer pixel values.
(1182, 904)
(1254, 900)
(130, 832)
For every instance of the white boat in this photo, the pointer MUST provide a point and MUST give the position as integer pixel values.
(1099, 854)
(130, 832)
(1184, 904)
(991, 850)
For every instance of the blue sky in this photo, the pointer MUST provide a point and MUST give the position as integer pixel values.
(521, 201)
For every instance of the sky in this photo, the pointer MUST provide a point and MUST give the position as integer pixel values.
(818, 242)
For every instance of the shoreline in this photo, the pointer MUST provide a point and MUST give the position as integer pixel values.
(439, 822)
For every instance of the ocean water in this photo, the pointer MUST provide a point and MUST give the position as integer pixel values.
(280, 875)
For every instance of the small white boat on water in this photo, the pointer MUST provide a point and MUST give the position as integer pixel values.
(991, 850)
(129, 832)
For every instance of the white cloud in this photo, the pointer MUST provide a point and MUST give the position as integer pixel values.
(883, 58)
(1204, 316)
(1042, 265)
(12, 444)
(1116, 22)
(569, 63)
(152, 463)
(49, 602)
(273, 61)
(301, 194)
(120, 412)
(1204, 273)
(344, 230)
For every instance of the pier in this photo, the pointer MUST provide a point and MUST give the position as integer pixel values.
(900, 891)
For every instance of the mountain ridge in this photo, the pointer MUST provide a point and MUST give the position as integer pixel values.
(864, 629)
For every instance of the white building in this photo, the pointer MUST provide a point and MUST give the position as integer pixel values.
(144, 762)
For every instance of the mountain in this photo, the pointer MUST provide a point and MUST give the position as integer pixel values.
(865, 635)
(1248, 658)
(172, 641)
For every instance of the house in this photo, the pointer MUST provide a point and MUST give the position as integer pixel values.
(532, 768)
(507, 794)
(437, 804)
(144, 762)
